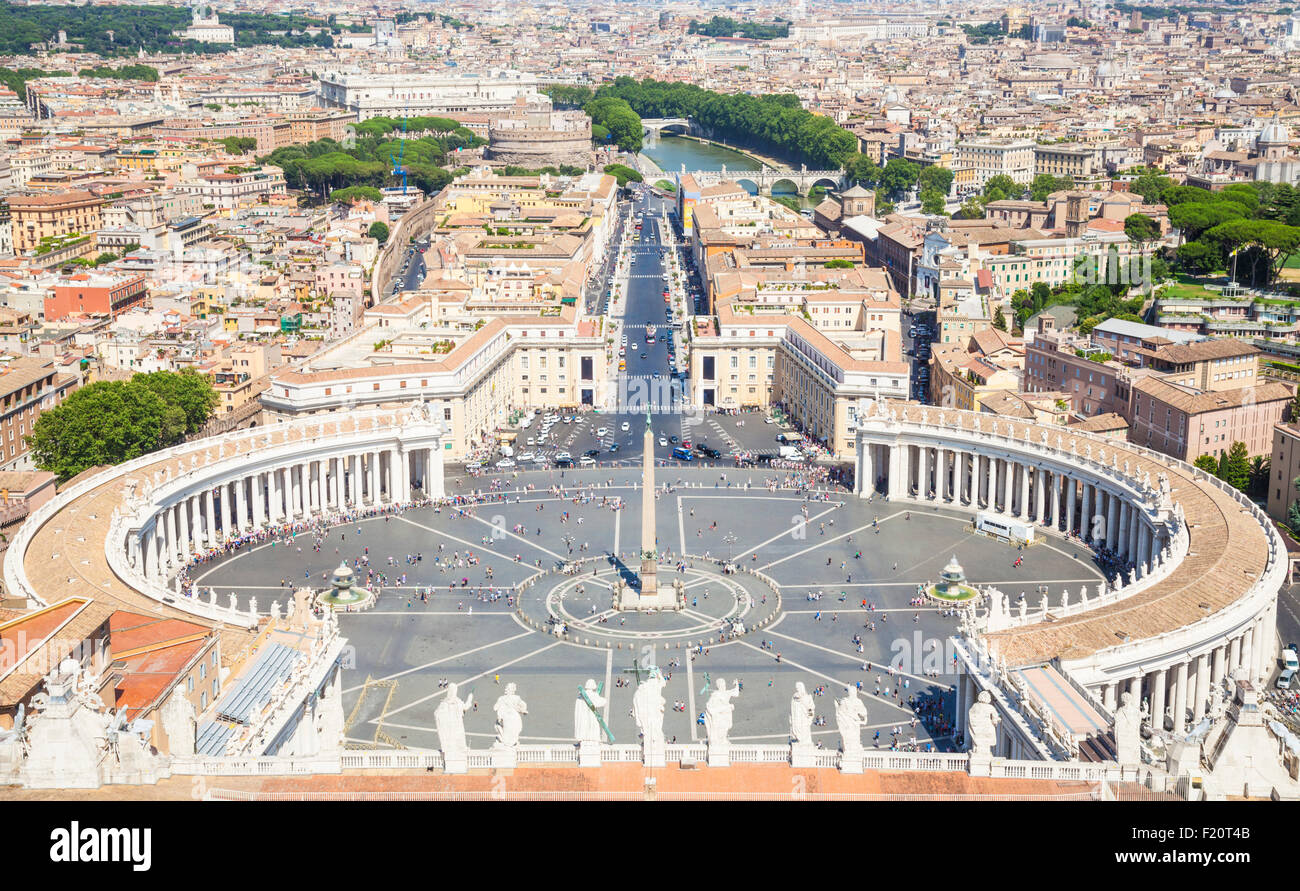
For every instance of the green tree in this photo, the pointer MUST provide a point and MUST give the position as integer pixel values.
(1150, 184)
(187, 391)
(999, 319)
(617, 117)
(839, 263)
(972, 208)
(937, 178)
(623, 174)
(898, 177)
(109, 422)
(378, 231)
(356, 193)
(862, 170)
(1000, 188)
(1209, 464)
(238, 145)
(1141, 229)
(1234, 466)
(932, 201)
(1257, 485)
(1045, 184)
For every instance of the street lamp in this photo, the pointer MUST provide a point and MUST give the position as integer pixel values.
(729, 539)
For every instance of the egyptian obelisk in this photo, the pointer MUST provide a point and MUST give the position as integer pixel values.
(649, 557)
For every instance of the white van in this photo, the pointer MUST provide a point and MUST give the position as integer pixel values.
(1005, 528)
(792, 453)
(507, 451)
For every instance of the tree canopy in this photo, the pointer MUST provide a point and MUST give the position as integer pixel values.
(724, 26)
(776, 124)
(109, 422)
(1258, 221)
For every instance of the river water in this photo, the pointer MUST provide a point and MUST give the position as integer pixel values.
(670, 152)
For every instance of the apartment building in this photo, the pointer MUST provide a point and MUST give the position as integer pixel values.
(1057, 361)
(1284, 470)
(1078, 161)
(979, 160)
(1186, 422)
(29, 386)
(52, 215)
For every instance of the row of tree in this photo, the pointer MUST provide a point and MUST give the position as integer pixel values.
(725, 26)
(146, 73)
(1254, 227)
(1238, 469)
(122, 30)
(109, 422)
(326, 166)
(775, 124)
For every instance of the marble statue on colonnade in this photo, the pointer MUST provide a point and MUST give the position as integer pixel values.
(510, 709)
(802, 712)
(588, 724)
(850, 718)
(718, 713)
(648, 710)
(449, 718)
(1128, 721)
(982, 722)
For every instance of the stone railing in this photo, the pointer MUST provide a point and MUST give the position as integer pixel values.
(1162, 565)
(1035, 727)
(416, 759)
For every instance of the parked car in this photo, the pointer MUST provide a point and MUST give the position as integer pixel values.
(1289, 660)
(1285, 678)
(505, 462)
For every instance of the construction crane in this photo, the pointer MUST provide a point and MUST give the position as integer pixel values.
(398, 168)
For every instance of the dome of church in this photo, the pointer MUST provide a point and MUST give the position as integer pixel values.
(1276, 133)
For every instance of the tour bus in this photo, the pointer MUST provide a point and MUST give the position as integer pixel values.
(1005, 528)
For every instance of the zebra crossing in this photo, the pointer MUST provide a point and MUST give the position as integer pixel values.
(733, 446)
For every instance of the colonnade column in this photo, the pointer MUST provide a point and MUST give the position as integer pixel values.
(1007, 469)
(1202, 687)
(196, 522)
(1025, 472)
(1159, 682)
(1071, 498)
(241, 505)
(1085, 515)
(1040, 497)
(259, 501)
(183, 530)
(1125, 521)
(210, 516)
(1180, 699)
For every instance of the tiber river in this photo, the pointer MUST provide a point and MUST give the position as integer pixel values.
(670, 152)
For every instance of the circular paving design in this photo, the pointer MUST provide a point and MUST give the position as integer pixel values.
(578, 607)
